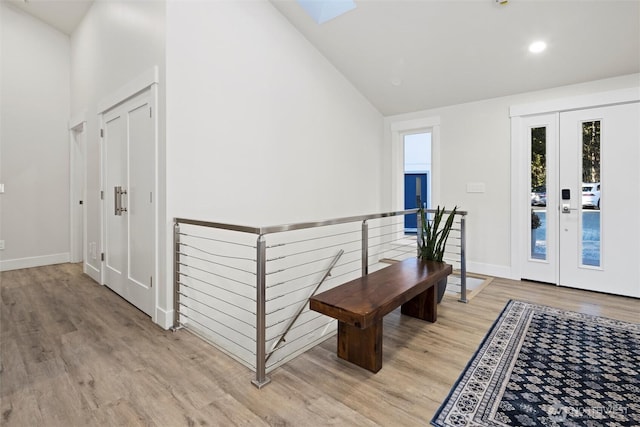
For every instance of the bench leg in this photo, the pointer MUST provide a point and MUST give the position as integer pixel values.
(361, 346)
(423, 306)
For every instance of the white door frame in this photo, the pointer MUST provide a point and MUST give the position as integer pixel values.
(519, 156)
(77, 135)
(398, 130)
(147, 80)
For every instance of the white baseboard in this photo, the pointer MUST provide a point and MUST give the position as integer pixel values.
(36, 261)
(490, 269)
(164, 318)
(91, 271)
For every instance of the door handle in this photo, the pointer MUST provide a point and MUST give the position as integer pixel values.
(117, 200)
(566, 208)
(118, 192)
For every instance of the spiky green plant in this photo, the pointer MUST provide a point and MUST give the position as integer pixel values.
(433, 239)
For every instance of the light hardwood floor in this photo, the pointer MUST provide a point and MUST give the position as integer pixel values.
(73, 353)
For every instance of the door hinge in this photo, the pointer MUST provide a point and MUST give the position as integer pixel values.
(151, 282)
(101, 133)
(150, 114)
(102, 256)
(101, 195)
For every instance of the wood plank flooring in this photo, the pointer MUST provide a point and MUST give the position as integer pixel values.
(73, 353)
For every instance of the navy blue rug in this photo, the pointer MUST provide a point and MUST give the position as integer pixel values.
(541, 366)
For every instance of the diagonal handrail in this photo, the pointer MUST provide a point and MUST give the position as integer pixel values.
(327, 273)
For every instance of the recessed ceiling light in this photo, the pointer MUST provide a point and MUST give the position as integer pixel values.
(537, 47)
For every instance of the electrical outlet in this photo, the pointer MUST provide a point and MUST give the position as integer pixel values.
(1, 245)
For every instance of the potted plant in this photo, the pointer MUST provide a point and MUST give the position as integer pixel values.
(432, 239)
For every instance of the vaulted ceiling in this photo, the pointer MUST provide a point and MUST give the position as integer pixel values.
(64, 15)
(410, 55)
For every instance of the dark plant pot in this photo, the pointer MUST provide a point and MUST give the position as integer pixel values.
(442, 287)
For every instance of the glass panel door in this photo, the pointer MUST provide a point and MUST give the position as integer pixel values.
(540, 222)
(598, 177)
(590, 205)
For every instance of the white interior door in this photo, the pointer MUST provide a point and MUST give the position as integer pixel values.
(129, 202)
(600, 200)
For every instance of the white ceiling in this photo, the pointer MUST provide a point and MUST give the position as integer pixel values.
(443, 52)
(65, 15)
(411, 55)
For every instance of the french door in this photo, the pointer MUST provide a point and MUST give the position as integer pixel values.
(582, 222)
(129, 201)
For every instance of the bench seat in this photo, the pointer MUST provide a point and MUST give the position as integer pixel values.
(361, 304)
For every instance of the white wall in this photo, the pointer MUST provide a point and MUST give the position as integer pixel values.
(34, 150)
(115, 43)
(261, 128)
(474, 145)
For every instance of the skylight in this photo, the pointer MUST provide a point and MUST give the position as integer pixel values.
(324, 10)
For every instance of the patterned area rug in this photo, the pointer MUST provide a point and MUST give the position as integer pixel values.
(541, 366)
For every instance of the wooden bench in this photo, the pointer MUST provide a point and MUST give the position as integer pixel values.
(360, 305)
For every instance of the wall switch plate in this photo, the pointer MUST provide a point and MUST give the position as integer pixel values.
(1, 188)
(475, 187)
(1, 245)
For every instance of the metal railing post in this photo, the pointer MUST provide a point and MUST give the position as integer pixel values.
(176, 275)
(365, 248)
(463, 260)
(261, 361)
(418, 232)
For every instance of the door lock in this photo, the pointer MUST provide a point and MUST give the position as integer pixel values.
(566, 197)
